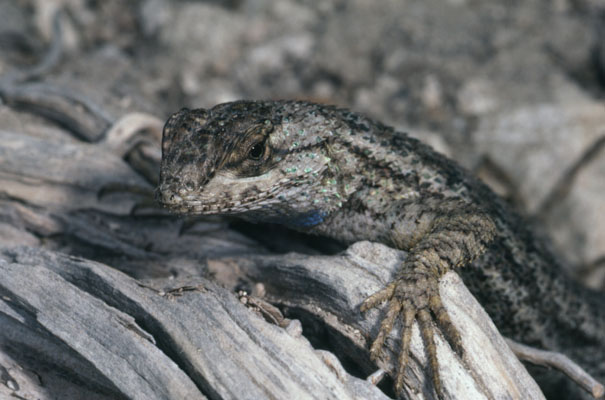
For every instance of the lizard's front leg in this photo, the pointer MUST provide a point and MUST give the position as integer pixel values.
(450, 234)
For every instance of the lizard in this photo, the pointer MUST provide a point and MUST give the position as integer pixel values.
(329, 171)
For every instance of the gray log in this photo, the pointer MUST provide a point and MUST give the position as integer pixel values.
(125, 339)
(135, 342)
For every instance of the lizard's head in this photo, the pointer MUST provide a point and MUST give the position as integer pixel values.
(265, 160)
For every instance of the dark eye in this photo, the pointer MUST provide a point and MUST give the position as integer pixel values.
(256, 151)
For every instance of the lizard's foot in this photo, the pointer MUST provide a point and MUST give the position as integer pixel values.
(414, 295)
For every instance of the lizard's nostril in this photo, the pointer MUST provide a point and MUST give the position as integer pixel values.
(172, 198)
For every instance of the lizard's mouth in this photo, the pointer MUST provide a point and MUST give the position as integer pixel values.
(195, 204)
(178, 204)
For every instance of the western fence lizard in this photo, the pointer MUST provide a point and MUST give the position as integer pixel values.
(330, 171)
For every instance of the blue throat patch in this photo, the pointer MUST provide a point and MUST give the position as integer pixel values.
(305, 220)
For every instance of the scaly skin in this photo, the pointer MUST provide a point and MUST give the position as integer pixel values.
(329, 171)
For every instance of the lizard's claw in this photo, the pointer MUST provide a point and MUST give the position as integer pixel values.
(414, 295)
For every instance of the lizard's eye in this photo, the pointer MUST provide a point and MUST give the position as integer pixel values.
(256, 151)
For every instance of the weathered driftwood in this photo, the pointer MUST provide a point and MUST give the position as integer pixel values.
(560, 362)
(115, 336)
(59, 174)
(124, 339)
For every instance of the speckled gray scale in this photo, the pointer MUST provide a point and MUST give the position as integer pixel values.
(330, 171)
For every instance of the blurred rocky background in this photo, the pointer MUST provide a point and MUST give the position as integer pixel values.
(514, 91)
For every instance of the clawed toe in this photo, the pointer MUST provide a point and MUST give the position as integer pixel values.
(446, 326)
(406, 338)
(385, 328)
(378, 297)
